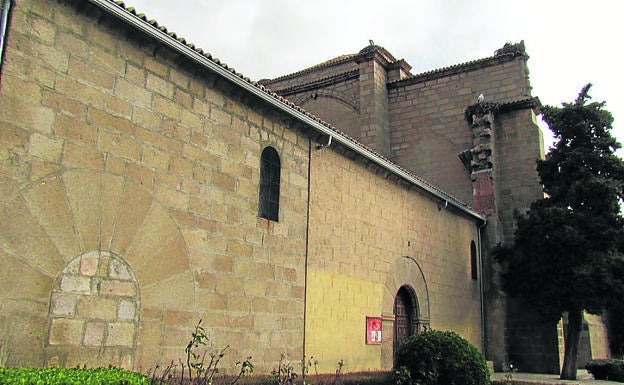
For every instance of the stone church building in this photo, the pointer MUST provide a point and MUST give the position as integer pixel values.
(330, 213)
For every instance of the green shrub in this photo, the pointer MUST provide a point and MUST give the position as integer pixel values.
(73, 376)
(611, 370)
(439, 358)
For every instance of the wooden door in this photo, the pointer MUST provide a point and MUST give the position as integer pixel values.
(403, 310)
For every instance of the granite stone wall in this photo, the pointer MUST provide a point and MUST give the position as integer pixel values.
(129, 202)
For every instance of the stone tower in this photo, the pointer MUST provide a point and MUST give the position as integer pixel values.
(470, 130)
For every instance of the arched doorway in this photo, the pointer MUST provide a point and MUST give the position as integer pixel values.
(405, 316)
(405, 281)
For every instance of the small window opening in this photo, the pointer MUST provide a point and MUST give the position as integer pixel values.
(473, 261)
(268, 200)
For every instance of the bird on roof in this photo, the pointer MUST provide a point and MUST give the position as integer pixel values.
(480, 98)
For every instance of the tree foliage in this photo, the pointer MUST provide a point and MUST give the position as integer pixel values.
(566, 255)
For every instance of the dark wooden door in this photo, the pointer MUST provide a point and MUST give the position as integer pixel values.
(402, 318)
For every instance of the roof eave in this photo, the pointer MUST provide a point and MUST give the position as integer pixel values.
(279, 103)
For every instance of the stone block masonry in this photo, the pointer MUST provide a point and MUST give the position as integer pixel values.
(94, 305)
(130, 174)
(365, 246)
(419, 121)
(130, 181)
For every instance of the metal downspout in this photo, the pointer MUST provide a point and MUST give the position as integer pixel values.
(307, 252)
(482, 289)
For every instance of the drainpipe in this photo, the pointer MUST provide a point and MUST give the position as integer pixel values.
(322, 146)
(481, 288)
(307, 248)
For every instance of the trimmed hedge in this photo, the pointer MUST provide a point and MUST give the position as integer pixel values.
(70, 376)
(610, 370)
(439, 358)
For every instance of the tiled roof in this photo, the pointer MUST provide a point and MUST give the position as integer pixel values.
(364, 150)
(329, 63)
(335, 61)
(507, 53)
(182, 40)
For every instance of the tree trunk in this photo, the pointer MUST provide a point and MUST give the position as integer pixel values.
(570, 344)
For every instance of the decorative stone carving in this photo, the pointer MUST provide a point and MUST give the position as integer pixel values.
(475, 113)
(512, 49)
(478, 158)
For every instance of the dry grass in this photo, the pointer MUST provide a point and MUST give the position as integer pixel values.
(359, 378)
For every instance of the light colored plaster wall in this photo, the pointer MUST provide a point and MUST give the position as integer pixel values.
(113, 154)
(361, 225)
(598, 337)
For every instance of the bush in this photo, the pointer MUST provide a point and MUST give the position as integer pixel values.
(439, 358)
(610, 370)
(74, 376)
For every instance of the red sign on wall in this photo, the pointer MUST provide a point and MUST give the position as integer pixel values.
(373, 330)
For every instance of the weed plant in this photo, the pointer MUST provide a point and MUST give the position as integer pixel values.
(200, 365)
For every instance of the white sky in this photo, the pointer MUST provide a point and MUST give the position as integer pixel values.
(570, 42)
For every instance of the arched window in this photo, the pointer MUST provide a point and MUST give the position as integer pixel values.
(268, 198)
(473, 260)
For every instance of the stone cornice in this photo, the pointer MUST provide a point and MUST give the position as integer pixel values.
(310, 86)
(522, 104)
(484, 108)
(401, 64)
(330, 63)
(377, 53)
(480, 109)
(504, 55)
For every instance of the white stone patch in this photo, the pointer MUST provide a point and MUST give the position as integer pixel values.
(119, 270)
(64, 305)
(126, 310)
(75, 284)
(95, 304)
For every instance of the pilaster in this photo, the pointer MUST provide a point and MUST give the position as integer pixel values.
(373, 62)
(479, 159)
(480, 162)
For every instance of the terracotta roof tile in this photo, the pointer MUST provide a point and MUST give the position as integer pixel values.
(331, 62)
(508, 52)
(292, 105)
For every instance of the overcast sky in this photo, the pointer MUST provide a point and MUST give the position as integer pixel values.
(570, 42)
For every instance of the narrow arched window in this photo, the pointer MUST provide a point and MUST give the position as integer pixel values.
(473, 260)
(268, 199)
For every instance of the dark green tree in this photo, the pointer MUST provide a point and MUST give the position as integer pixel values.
(566, 256)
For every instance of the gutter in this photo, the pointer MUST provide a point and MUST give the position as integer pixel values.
(177, 46)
